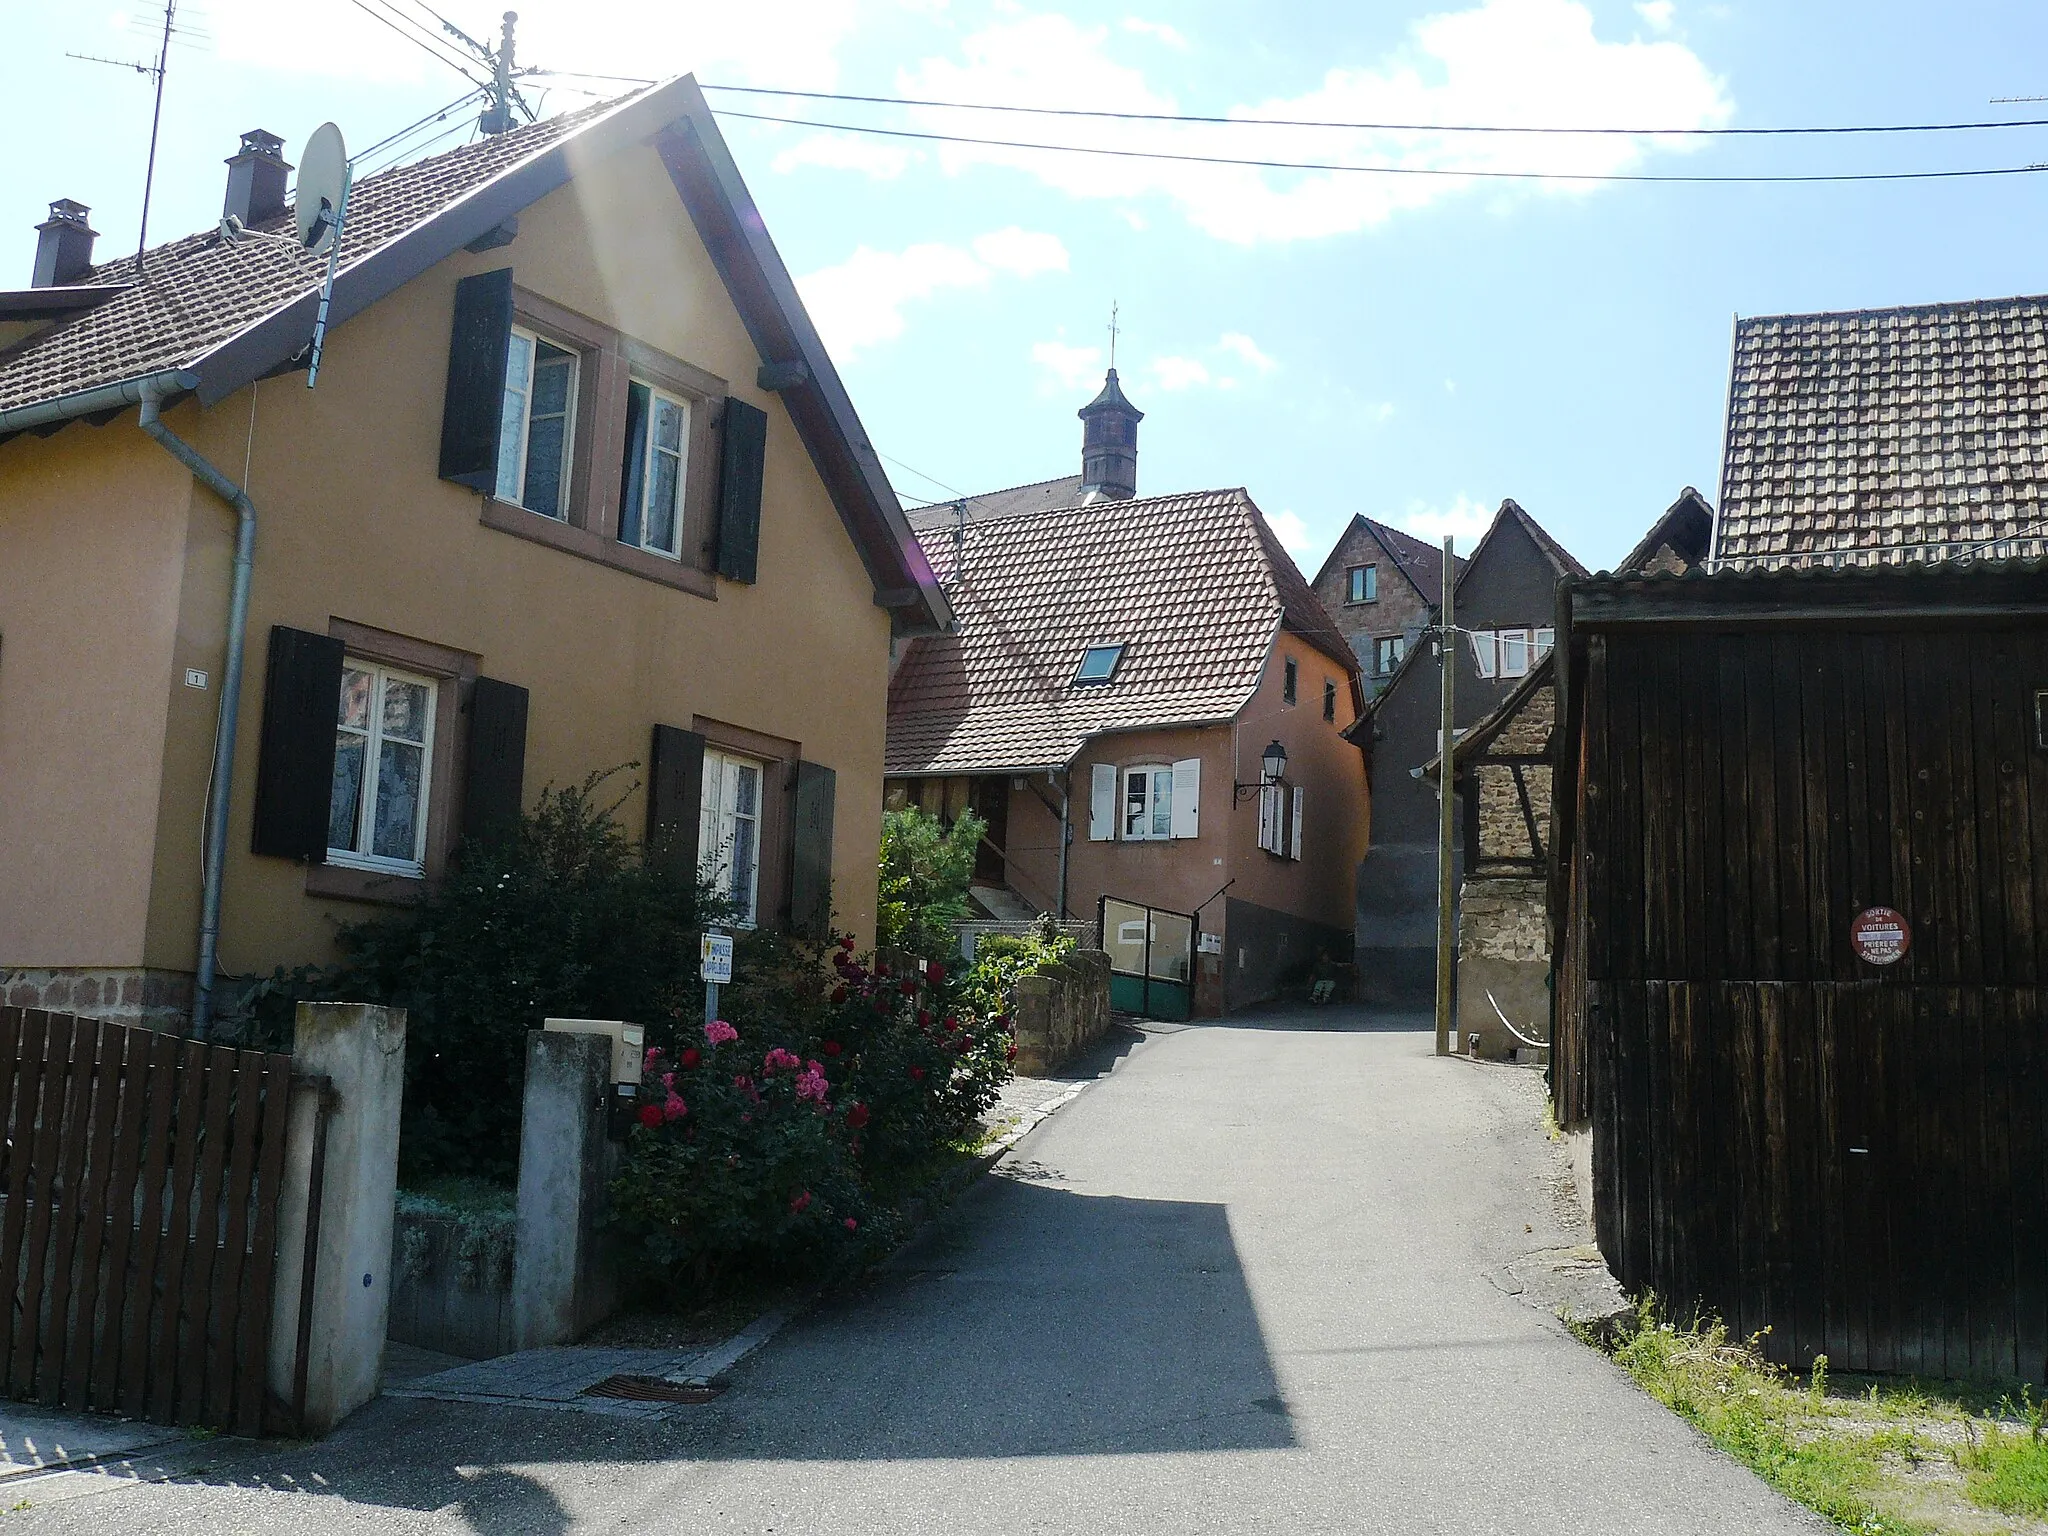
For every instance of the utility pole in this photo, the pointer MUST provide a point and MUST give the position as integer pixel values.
(1446, 656)
(498, 117)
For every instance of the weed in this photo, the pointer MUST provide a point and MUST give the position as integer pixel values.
(2007, 1469)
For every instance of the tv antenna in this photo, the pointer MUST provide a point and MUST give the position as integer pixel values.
(156, 116)
(507, 107)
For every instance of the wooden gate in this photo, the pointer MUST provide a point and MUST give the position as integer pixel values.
(139, 1234)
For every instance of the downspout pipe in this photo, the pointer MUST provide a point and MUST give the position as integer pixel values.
(229, 718)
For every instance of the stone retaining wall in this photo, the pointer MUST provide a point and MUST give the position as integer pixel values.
(1060, 1012)
(154, 999)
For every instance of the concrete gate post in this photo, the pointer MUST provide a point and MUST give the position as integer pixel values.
(360, 1050)
(563, 1283)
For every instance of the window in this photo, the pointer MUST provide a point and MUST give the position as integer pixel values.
(1329, 699)
(383, 741)
(1287, 687)
(1387, 652)
(1514, 653)
(1362, 584)
(1486, 652)
(729, 831)
(534, 429)
(1148, 804)
(1099, 663)
(651, 478)
(1546, 642)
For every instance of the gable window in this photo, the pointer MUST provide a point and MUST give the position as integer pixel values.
(1099, 663)
(535, 426)
(1387, 652)
(1287, 687)
(1148, 804)
(1329, 699)
(1514, 653)
(729, 831)
(651, 478)
(1362, 584)
(383, 742)
(1486, 652)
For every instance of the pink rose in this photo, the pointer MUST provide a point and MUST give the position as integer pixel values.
(673, 1108)
(717, 1032)
(852, 1225)
(800, 1203)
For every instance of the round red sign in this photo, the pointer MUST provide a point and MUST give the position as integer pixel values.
(1880, 936)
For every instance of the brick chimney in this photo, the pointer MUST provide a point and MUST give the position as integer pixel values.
(63, 245)
(1109, 444)
(256, 178)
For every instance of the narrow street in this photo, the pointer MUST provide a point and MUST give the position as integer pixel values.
(1248, 1281)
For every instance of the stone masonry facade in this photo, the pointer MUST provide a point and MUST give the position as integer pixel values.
(156, 999)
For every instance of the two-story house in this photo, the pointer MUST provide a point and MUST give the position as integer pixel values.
(1505, 600)
(1146, 703)
(1382, 587)
(578, 487)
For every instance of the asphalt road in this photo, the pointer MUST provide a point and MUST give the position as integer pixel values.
(1244, 1283)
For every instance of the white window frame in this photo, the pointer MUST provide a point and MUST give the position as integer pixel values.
(1546, 642)
(1486, 651)
(516, 492)
(718, 819)
(656, 395)
(1514, 637)
(373, 741)
(1370, 585)
(1393, 660)
(1156, 805)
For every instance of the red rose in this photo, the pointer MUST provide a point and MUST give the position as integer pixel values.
(916, 1076)
(909, 987)
(951, 1025)
(650, 1116)
(852, 1225)
(881, 968)
(846, 942)
(935, 974)
(924, 1018)
(689, 1058)
(839, 993)
(856, 1117)
(832, 1047)
(797, 1205)
(1010, 1053)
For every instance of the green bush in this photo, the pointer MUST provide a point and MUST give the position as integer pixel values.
(926, 869)
(1001, 958)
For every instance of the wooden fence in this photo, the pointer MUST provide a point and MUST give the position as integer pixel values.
(139, 1236)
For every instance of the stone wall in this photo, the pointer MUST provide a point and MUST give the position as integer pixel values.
(1060, 1012)
(452, 1278)
(154, 999)
(1503, 950)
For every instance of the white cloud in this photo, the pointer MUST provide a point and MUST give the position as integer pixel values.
(1659, 14)
(1534, 63)
(1244, 347)
(1071, 367)
(1292, 533)
(1023, 252)
(1177, 373)
(1464, 519)
(1158, 31)
(860, 302)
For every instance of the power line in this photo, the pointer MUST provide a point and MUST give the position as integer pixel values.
(1291, 122)
(432, 50)
(1387, 170)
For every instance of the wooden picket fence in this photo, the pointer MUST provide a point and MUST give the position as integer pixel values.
(138, 1241)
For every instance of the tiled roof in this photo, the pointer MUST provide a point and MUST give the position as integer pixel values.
(1887, 435)
(1193, 585)
(197, 292)
(1044, 496)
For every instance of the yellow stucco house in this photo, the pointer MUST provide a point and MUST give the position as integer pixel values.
(578, 486)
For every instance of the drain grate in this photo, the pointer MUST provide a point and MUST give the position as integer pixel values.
(652, 1389)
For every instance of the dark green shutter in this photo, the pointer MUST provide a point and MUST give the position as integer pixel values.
(810, 864)
(675, 796)
(295, 760)
(741, 459)
(494, 779)
(476, 379)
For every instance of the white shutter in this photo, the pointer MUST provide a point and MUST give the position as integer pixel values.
(1102, 803)
(1187, 797)
(1269, 817)
(1294, 840)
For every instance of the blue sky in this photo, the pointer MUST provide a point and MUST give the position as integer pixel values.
(1411, 348)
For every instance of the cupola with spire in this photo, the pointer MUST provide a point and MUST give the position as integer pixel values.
(1109, 444)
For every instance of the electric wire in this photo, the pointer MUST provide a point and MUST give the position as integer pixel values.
(433, 50)
(453, 30)
(1290, 122)
(432, 38)
(1394, 170)
(435, 116)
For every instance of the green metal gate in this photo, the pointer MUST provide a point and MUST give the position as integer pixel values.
(1151, 958)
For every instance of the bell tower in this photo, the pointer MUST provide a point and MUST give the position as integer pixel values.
(1109, 444)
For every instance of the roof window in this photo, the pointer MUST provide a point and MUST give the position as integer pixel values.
(1099, 663)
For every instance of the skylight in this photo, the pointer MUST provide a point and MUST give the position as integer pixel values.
(1099, 663)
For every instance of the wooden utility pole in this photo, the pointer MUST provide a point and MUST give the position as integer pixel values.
(1447, 658)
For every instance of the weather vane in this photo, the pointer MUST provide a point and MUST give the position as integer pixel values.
(1112, 333)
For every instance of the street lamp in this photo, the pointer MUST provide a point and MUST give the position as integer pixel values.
(1272, 768)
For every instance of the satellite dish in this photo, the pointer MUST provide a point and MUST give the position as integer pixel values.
(323, 168)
